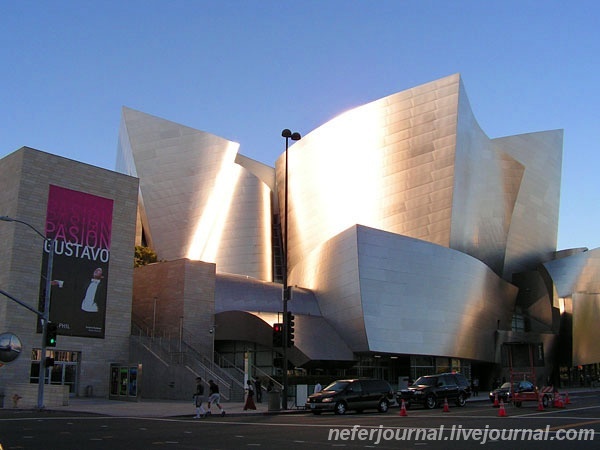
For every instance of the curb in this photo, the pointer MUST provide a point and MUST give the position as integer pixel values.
(245, 413)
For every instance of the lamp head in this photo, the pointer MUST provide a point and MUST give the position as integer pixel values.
(296, 136)
(286, 133)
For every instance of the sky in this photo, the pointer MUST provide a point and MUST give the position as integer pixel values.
(246, 69)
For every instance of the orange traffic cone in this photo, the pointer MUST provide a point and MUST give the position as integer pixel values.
(496, 404)
(558, 403)
(567, 401)
(501, 411)
(446, 407)
(540, 403)
(403, 409)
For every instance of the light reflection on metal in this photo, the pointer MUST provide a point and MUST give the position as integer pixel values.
(417, 164)
(388, 293)
(403, 204)
(198, 198)
(206, 240)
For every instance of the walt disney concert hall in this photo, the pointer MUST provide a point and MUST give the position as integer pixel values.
(409, 243)
(415, 244)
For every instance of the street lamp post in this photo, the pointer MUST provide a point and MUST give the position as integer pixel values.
(45, 314)
(213, 331)
(287, 134)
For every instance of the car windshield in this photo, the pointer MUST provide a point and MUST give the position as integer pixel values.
(336, 386)
(425, 381)
(507, 385)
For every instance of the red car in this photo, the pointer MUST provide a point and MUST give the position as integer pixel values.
(521, 391)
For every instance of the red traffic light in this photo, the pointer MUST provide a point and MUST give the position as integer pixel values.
(277, 335)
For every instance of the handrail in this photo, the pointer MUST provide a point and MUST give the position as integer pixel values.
(184, 352)
(184, 347)
(188, 359)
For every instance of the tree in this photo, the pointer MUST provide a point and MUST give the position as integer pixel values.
(144, 256)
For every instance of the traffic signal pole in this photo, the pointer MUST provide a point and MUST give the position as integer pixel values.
(284, 379)
(45, 319)
(45, 314)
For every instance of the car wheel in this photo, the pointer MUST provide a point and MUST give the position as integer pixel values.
(430, 402)
(461, 400)
(340, 408)
(383, 406)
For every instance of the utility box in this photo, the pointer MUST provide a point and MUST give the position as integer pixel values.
(274, 400)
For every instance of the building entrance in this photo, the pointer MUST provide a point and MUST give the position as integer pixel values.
(124, 382)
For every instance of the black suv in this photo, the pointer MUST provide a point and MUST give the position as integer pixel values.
(431, 390)
(358, 395)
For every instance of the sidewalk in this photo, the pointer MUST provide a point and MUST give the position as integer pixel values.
(159, 408)
(177, 408)
(180, 408)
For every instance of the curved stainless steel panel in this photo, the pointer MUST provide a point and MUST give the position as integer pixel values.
(534, 222)
(197, 203)
(417, 164)
(235, 292)
(579, 272)
(578, 277)
(388, 165)
(389, 293)
(403, 218)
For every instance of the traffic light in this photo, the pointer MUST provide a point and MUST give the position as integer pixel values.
(277, 335)
(51, 331)
(290, 330)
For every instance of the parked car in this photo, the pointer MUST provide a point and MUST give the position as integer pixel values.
(521, 391)
(431, 390)
(352, 394)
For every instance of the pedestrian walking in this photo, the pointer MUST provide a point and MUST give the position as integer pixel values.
(475, 386)
(318, 388)
(258, 386)
(199, 399)
(249, 397)
(214, 397)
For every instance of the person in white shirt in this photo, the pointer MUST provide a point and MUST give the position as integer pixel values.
(89, 301)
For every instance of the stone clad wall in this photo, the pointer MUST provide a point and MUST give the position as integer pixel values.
(54, 395)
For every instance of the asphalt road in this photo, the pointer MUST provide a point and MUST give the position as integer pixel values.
(475, 426)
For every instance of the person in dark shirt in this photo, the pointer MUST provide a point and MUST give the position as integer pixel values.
(258, 387)
(214, 397)
(199, 399)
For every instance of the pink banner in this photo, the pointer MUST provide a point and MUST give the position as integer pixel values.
(81, 226)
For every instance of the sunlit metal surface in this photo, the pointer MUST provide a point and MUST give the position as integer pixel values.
(417, 164)
(389, 293)
(407, 223)
(196, 201)
(577, 277)
(533, 230)
(235, 292)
